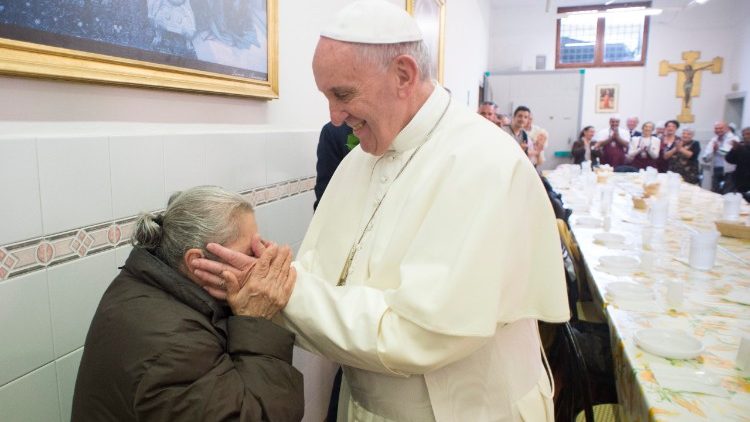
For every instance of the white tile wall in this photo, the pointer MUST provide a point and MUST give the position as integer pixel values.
(285, 221)
(25, 330)
(121, 255)
(137, 174)
(74, 182)
(67, 370)
(319, 374)
(235, 161)
(21, 213)
(184, 162)
(290, 155)
(66, 183)
(31, 398)
(75, 290)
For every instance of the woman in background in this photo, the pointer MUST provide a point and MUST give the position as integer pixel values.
(685, 158)
(644, 150)
(160, 348)
(668, 145)
(581, 149)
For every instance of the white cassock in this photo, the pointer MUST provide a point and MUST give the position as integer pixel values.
(438, 317)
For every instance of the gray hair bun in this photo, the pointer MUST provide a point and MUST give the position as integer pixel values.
(148, 231)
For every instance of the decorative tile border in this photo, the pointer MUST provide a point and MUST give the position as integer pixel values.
(39, 253)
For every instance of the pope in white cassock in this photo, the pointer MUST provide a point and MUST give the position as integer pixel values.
(434, 250)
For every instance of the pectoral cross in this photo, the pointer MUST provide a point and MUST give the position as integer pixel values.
(689, 79)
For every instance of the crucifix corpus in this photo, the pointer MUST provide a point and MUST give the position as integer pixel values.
(689, 79)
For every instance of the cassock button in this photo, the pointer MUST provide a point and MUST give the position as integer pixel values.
(384, 179)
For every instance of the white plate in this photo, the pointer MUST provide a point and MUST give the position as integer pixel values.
(623, 290)
(609, 239)
(619, 262)
(592, 222)
(668, 343)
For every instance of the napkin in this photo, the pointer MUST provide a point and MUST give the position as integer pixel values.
(738, 297)
(688, 380)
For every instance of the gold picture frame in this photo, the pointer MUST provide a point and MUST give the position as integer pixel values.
(607, 97)
(21, 57)
(430, 16)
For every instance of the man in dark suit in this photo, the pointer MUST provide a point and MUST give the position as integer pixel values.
(332, 149)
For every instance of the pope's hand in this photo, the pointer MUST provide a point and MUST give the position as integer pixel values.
(258, 287)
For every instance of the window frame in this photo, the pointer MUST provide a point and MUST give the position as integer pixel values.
(599, 44)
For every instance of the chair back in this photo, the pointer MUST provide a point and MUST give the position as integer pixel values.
(576, 378)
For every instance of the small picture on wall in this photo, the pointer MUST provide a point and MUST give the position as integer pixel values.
(606, 98)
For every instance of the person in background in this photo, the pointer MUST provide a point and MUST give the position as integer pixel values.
(668, 145)
(160, 348)
(503, 120)
(332, 148)
(612, 143)
(644, 150)
(581, 149)
(536, 149)
(740, 156)
(685, 159)
(714, 153)
(632, 125)
(488, 110)
(379, 288)
(659, 131)
(531, 129)
(516, 128)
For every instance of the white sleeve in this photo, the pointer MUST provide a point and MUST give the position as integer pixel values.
(633, 147)
(354, 326)
(654, 147)
(708, 152)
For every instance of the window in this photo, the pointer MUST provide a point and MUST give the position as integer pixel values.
(602, 36)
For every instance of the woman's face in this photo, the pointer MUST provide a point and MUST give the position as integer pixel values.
(589, 133)
(647, 129)
(670, 129)
(247, 228)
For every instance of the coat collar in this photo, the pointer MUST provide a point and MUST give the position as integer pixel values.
(150, 270)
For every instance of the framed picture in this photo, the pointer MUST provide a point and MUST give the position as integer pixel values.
(607, 97)
(430, 16)
(206, 46)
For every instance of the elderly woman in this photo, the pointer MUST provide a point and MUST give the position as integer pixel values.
(685, 158)
(160, 348)
(644, 150)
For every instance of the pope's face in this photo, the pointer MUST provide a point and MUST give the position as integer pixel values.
(360, 94)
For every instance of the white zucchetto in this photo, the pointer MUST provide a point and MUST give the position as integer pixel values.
(373, 22)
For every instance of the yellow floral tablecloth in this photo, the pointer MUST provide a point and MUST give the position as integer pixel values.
(705, 312)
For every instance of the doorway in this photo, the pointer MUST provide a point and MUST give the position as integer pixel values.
(734, 108)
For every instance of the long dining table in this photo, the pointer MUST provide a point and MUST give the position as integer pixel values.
(715, 306)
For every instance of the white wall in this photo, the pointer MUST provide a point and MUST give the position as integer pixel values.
(77, 156)
(520, 32)
(741, 75)
(466, 48)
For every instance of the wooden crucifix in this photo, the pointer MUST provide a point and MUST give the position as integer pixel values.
(689, 79)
